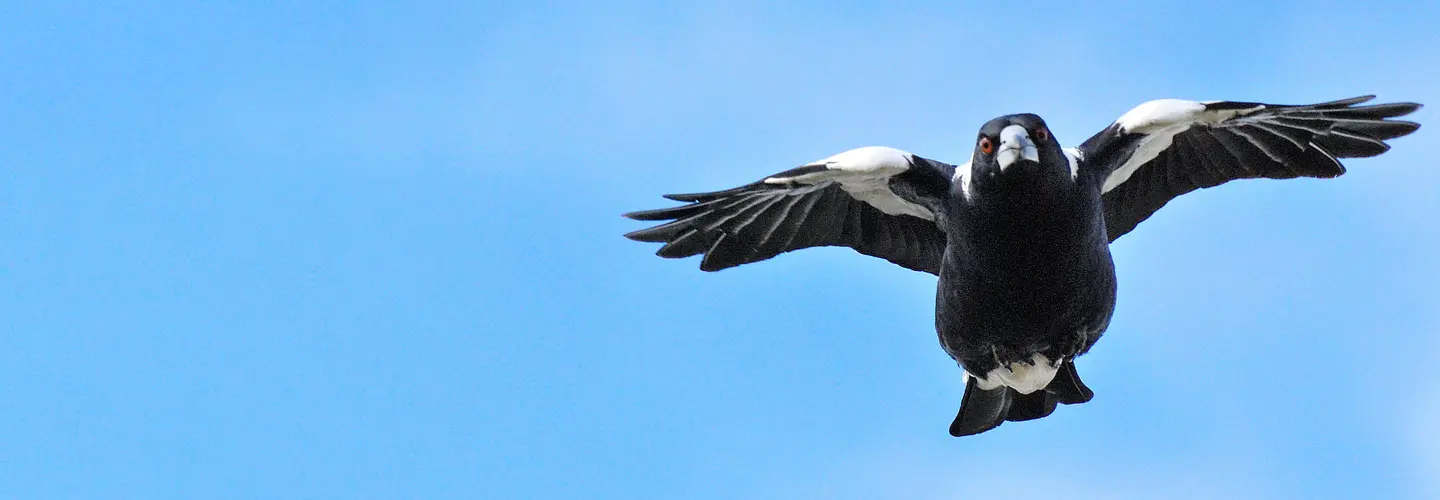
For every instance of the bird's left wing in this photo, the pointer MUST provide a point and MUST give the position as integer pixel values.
(880, 201)
(1163, 149)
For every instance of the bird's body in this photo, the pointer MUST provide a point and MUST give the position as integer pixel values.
(1025, 275)
(1019, 236)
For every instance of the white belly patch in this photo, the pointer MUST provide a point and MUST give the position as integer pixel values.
(1022, 377)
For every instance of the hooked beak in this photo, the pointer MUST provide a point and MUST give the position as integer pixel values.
(1015, 145)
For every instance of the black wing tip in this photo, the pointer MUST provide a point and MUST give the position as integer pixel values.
(1391, 109)
(656, 214)
(1383, 110)
(712, 195)
(721, 256)
(712, 269)
(640, 235)
(1347, 143)
(1400, 128)
(669, 251)
(1337, 171)
(1339, 103)
(698, 197)
(654, 234)
(687, 198)
(1351, 101)
(638, 215)
(1380, 151)
(1407, 107)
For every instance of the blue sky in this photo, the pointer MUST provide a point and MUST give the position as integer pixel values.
(365, 250)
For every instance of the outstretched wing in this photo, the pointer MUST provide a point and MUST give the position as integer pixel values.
(879, 201)
(1163, 149)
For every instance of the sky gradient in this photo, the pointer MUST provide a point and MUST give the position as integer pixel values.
(364, 250)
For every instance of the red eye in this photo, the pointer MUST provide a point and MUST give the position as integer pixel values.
(1043, 134)
(986, 146)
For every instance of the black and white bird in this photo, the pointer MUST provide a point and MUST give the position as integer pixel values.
(1020, 235)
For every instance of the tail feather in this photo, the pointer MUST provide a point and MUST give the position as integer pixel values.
(1038, 404)
(982, 410)
(1068, 387)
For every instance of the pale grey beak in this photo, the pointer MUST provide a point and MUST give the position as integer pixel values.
(1015, 145)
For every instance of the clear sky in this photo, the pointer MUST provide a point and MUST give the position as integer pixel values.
(372, 250)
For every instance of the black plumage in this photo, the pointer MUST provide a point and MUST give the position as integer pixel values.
(1019, 236)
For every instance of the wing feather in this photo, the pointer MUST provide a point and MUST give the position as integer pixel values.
(879, 201)
(1164, 149)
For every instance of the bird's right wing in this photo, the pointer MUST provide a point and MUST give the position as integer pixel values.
(879, 201)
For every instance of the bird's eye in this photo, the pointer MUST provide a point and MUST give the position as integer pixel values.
(1043, 134)
(986, 145)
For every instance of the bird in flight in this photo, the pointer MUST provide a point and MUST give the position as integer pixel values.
(1020, 235)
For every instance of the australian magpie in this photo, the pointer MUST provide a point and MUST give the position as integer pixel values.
(1020, 235)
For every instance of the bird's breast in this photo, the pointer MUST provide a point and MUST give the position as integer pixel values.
(1025, 280)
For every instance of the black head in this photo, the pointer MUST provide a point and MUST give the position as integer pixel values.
(1016, 150)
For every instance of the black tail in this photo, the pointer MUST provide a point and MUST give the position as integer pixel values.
(982, 410)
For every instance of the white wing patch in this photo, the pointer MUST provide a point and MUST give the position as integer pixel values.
(865, 174)
(1159, 121)
(1159, 114)
(1150, 147)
